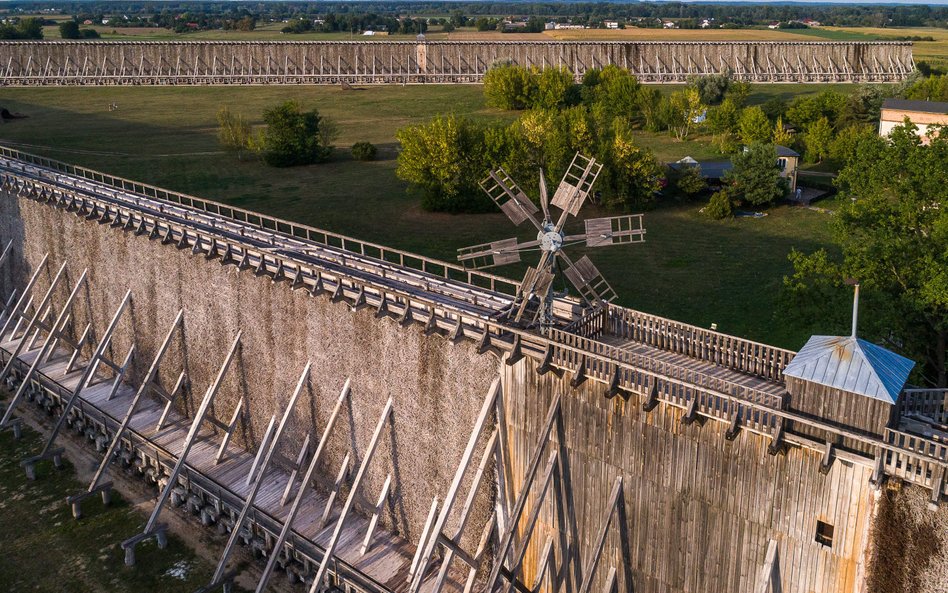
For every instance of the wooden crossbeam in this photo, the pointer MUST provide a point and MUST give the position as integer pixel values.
(307, 478)
(152, 524)
(341, 477)
(47, 343)
(86, 378)
(330, 551)
(96, 485)
(615, 512)
(258, 481)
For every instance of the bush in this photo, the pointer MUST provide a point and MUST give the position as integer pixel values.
(294, 137)
(688, 181)
(720, 206)
(364, 151)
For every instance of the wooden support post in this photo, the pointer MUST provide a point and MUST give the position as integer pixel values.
(938, 484)
(423, 542)
(827, 461)
(379, 507)
(25, 297)
(229, 431)
(776, 444)
(615, 387)
(457, 332)
(383, 308)
(151, 525)
(484, 344)
(735, 426)
(350, 500)
(406, 317)
(431, 326)
(652, 400)
(32, 321)
(516, 352)
(691, 414)
(341, 477)
(546, 366)
(297, 466)
(55, 329)
(769, 580)
(96, 485)
(337, 294)
(308, 476)
(878, 471)
(579, 375)
(258, 481)
(84, 380)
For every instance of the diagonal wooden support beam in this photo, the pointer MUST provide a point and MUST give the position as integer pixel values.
(307, 479)
(20, 315)
(769, 579)
(258, 481)
(579, 375)
(57, 326)
(652, 401)
(296, 468)
(451, 496)
(776, 444)
(330, 551)
(377, 511)
(86, 377)
(615, 508)
(528, 478)
(734, 428)
(152, 523)
(334, 491)
(96, 484)
(229, 431)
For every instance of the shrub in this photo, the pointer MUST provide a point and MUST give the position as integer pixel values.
(364, 151)
(720, 207)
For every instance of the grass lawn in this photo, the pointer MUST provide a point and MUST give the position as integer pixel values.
(45, 550)
(690, 268)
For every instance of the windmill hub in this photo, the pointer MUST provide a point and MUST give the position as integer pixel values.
(550, 239)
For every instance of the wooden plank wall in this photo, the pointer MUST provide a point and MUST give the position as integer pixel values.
(701, 510)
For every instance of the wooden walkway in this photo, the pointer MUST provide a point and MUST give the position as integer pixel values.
(387, 561)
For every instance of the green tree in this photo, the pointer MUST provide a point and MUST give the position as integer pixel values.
(754, 127)
(724, 122)
(648, 102)
(69, 30)
(508, 86)
(739, 92)
(845, 146)
(633, 176)
(892, 232)
(754, 178)
(688, 181)
(555, 88)
(720, 206)
(817, 139)
(687, 104)
(932, 88)
(443, 159)
(712, 88)
(233, 132)
(782, 136)
(614, 94)
(293, 136)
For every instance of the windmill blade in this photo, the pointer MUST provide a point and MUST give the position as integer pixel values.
(576, 185)
(536, 283)
(510, 198)
(544, 198)
(495, 253)
(588, 280)
(613, 230)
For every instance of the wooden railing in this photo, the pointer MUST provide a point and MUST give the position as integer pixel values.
(673, 383)
(931, 403)
(746, 356)
(916, 459)
(269, 223)
(590, 325)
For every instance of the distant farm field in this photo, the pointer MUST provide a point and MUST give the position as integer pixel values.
(690, 268)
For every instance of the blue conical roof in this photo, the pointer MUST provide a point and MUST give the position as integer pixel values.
(851, 364)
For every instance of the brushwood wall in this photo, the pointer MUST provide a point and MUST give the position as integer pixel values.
(437, 387)
(28, 63)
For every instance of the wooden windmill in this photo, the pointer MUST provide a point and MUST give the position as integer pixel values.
(533, 302)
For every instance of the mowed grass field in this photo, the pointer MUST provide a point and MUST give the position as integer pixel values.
(690, 268)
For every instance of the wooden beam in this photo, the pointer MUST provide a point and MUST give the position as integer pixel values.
(258, 481)
(350, 500)
(769, 579)
(615, 498)
(307, 478)
(129, 544)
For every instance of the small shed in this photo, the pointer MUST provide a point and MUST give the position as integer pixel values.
(848, 380)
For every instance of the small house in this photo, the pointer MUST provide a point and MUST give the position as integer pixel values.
(928, 116)
(713, 171)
